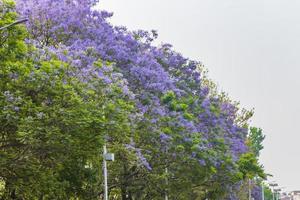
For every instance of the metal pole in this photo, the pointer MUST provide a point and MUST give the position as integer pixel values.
(166, 192)
(105, 173)
(167, 181)
(262, 191)
(249, 190)
(273, 185)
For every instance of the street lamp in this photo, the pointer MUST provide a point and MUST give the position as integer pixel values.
(262, 191)
(273, 185)
(106, 157)
(277, 192)
(249, 189)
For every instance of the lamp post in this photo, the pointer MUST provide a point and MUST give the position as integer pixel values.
(277, 192)
(167, 182)
(273, 185)
(106, 157)
(262, 191)
(249, 189)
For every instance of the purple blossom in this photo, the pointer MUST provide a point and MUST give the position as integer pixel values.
(143, 160)
(164, 137)
(202, 162)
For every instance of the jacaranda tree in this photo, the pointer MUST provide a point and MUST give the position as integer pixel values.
(71, 81)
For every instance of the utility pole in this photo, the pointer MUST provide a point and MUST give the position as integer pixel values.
(13, 24)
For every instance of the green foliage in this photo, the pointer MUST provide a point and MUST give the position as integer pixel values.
(268, 193)
(249, 166)
(255, 140)
(11, 40)
(168, 97)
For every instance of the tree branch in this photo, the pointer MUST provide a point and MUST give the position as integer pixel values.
(13, 24)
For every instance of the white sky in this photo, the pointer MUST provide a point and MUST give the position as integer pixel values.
(252, 50)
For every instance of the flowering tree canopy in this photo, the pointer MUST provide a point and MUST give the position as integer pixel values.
(70, 80)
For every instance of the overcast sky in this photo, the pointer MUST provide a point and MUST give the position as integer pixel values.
(251, 49)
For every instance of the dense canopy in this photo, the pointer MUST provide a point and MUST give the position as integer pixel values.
(71, 81)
